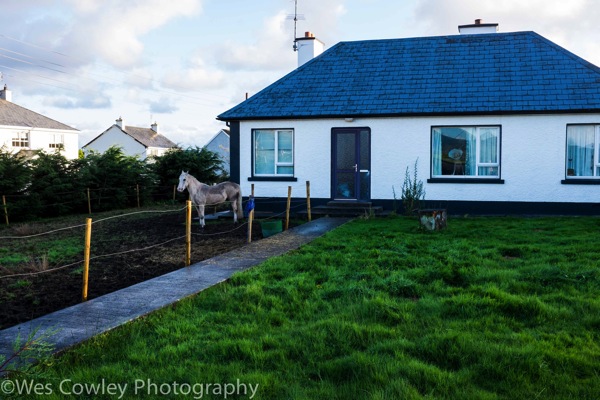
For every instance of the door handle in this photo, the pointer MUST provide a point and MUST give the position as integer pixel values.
(355, 167)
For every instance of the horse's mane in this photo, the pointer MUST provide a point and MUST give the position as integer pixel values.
(194, 180)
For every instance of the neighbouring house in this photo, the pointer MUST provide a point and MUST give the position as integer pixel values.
(134, 141)
(498, 123)
(24, 131)
(220, 144)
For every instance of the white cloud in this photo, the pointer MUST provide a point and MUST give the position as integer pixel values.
(567, 23)
(140, 78)
(322, 18)
(194, 76)
(77, 102)
(111, 29)
(163, 105)
(264, 52)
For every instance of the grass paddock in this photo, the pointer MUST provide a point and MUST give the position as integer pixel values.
(490, 308)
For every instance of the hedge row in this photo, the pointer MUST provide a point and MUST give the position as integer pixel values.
(49, 185)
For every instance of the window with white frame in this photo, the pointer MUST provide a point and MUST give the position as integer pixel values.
(57, 141)
(465, 152)
(583, 142)
(273, 152)
(20, 139)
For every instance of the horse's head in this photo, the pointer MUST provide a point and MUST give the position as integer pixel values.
(182, 181)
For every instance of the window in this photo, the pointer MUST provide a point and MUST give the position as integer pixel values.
(583, 142)
(465, 152)
(273, 152)
(57, 142)
(21, 139)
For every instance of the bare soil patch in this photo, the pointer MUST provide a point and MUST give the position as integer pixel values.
(27, 297)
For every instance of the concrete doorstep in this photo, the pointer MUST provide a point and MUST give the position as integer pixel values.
(75, 324)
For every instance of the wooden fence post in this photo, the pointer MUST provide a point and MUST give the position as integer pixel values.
(308, 200)
(89, 202)
(86, 258)
(287, 209)
(188, 234)
(5, 209)
(174, 192)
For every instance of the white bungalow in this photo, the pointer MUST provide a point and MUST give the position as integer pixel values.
(499, 123)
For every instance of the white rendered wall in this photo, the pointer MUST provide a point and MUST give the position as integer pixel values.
(40, 139)
(115, 137)
(532, 158)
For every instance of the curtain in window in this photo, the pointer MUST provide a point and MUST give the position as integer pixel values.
(580, 150)
(436, 149)
(264, 152)
(471, 163)
(284, 150)
(488, 151)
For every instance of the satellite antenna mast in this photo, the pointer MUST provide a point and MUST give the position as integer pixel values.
(296, 17)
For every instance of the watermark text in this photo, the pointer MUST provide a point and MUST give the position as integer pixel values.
(139, 387)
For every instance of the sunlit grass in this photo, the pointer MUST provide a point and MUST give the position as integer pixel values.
(491, 308)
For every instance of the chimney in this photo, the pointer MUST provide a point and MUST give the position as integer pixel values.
(308, 48)
(6, 94)
(154, 127)
(477, 27)
(120, 123)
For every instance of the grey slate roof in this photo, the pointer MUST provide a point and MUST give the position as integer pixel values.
(15, 115)
(517, 72)
(148, 137)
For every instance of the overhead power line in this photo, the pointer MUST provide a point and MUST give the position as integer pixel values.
(37, 62)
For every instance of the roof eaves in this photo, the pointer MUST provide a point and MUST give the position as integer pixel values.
(422, 114)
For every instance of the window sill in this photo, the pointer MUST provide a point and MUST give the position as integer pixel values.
(272, 179)
(466, 180)
(580, 181)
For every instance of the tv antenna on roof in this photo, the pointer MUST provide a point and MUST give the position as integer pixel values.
(296, 17)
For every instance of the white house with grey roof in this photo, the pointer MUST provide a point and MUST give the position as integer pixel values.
(24, 131)
(134, 141)
(500, 123)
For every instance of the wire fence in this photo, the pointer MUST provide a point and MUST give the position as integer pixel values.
(247, 225)
(44, 264)
(26, 206)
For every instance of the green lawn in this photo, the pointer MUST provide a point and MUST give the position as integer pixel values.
(491, 308)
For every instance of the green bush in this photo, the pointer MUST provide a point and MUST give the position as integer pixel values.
(112, 177)
(203, 164)
(49, 185)
(53, 184)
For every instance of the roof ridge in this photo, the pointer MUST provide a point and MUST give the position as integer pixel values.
(457, 35)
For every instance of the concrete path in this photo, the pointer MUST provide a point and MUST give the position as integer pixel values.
(78, 323)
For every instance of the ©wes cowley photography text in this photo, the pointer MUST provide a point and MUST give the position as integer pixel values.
(139, 387)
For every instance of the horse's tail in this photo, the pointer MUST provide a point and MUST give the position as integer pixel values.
(240, 208)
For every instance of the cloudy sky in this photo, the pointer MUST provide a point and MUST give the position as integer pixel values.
(181, 63)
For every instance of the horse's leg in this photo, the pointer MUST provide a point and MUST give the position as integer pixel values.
(234, 206)
(201, 215)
